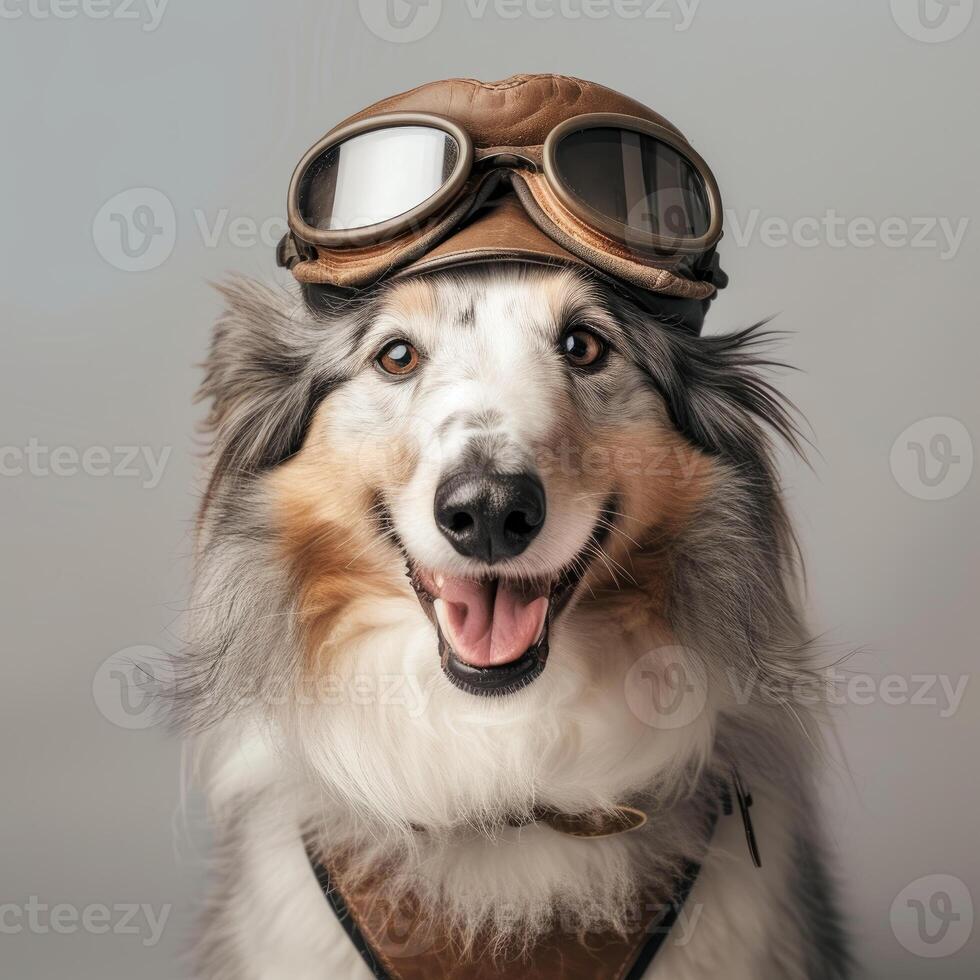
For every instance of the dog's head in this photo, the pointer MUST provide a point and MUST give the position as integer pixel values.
(495, 471)
(503, 434)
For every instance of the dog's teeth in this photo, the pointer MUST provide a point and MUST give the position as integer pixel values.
(440, 609)
(544, 626)
(440, 580)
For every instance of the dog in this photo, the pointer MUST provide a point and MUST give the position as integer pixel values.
(480, 551)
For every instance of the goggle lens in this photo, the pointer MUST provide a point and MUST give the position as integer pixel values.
(635, 180)
(375, 177)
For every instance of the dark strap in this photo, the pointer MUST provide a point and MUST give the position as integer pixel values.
(291, 250)
(661, 926)
(658, 927)
(346, 920)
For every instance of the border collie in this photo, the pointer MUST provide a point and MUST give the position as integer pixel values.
(481, 553)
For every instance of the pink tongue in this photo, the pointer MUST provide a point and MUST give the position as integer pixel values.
(488, 624)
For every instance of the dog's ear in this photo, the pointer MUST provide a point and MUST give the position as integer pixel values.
(717, 392)
(263, 377)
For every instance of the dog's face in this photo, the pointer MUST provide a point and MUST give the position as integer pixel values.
(501, 434)
(507, 481)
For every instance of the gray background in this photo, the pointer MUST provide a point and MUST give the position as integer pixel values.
(801, 109)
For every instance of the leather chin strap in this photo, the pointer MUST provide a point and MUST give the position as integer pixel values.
(396, 942)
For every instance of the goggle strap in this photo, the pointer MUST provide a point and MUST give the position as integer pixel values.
(291, 250)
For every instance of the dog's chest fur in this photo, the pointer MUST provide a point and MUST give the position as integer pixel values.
(275, 922)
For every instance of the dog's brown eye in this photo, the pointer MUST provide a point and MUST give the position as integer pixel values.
(399, 357)
(582, 347)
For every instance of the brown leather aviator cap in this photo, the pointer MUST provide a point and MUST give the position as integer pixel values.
(535, 168)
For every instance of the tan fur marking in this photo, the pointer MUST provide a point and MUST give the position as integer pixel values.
(662, 481)
(323, 513)
(411, 299)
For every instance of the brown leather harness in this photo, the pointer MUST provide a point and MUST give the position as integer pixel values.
(395, 943)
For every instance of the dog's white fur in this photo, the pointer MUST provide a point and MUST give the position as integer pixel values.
(389, 743)
(285, 929)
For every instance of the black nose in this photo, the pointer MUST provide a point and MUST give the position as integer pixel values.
(490, 516)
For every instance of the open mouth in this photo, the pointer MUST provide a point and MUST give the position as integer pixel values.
(493, 631)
